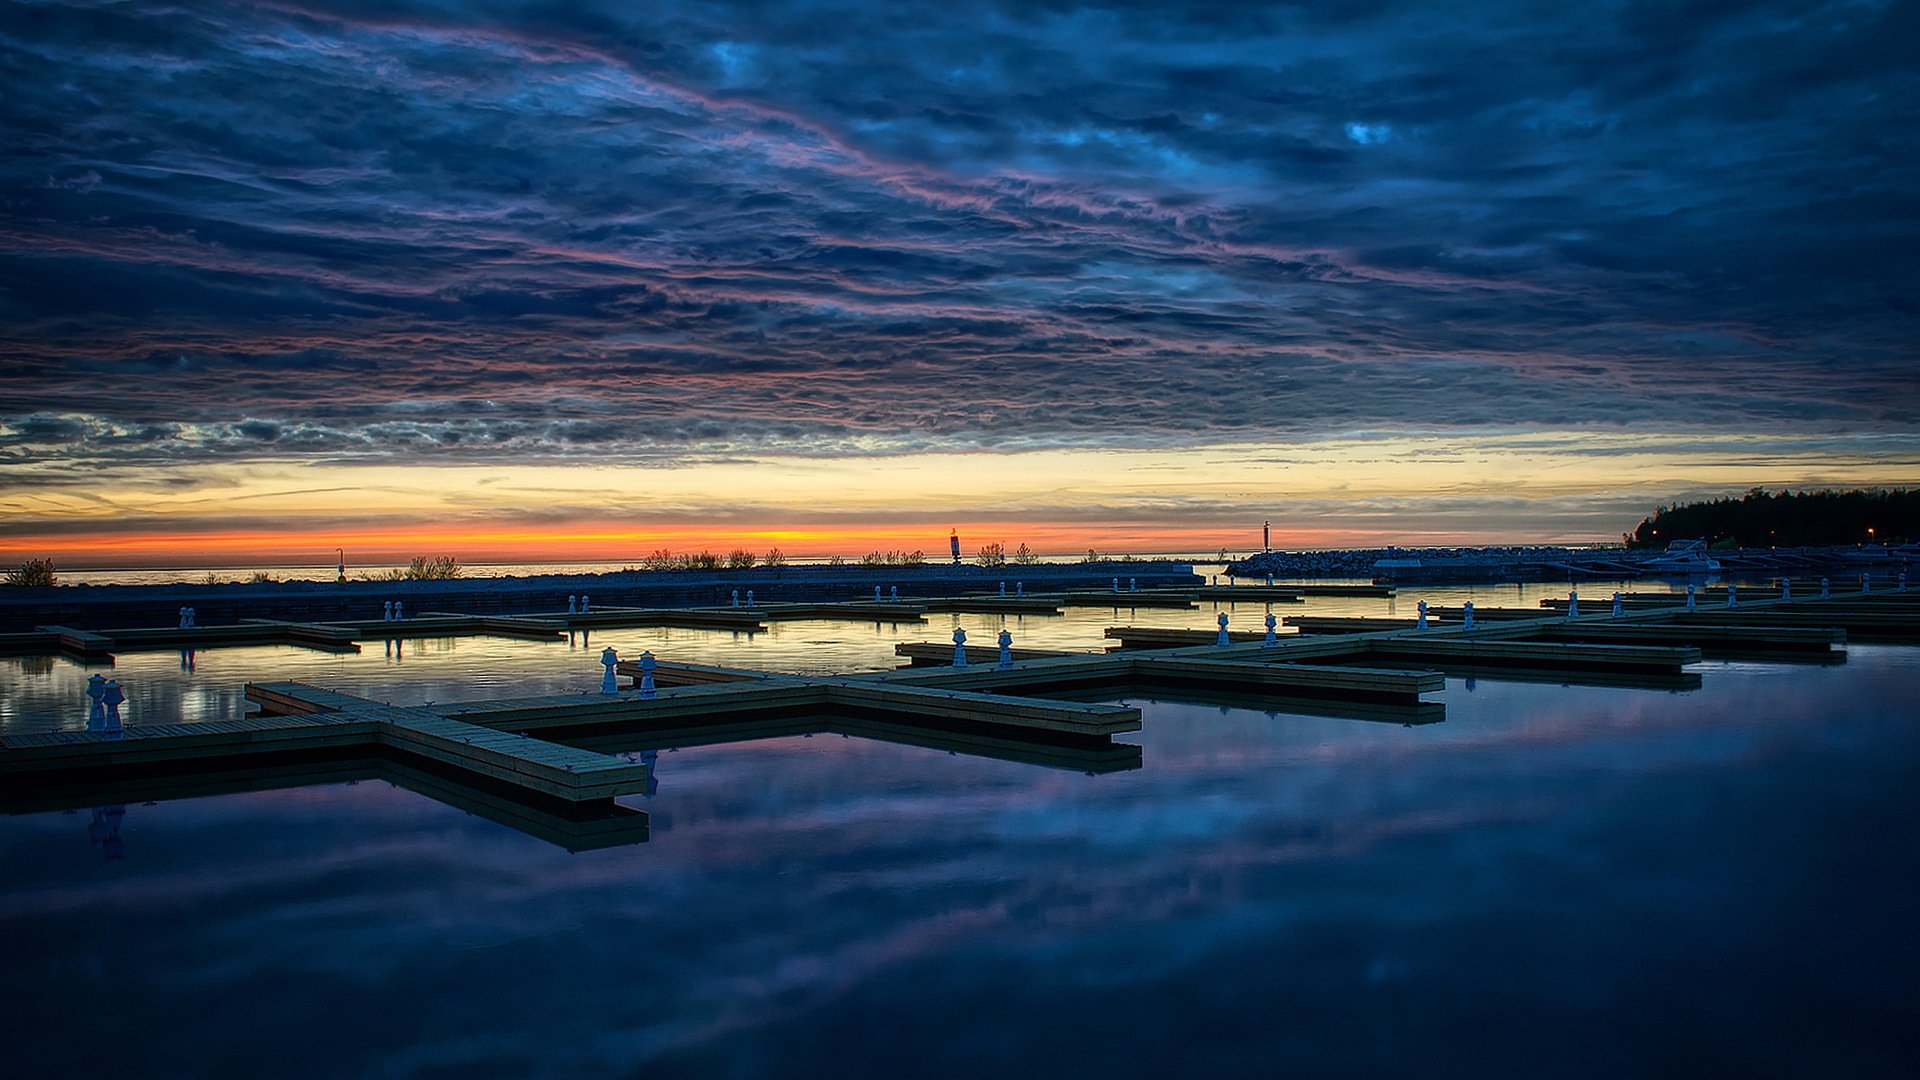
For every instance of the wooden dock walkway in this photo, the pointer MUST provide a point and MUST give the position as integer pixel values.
(1251, 594)
(930, 654)
(100, 646)
(1712, 640)
(1306, 588)
(1178, 599)
(531, 757)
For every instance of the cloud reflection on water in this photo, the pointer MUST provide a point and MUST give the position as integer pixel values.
(1621, 876)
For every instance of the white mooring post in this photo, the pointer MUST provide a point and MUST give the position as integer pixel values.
(1866, 583)
(193, 618)
(1421, 622)
(1826, 589)
(1003, 588)
(1573, 603)
(959, 647)
(1271, 638)
(1269, 581)
(399, 611)
(386, 613)
(183, 618)
(1116, 584)
(111, 696)
(1733, 595)
(736, 597)
(1006, 649)
(893, 594)
(609, 659)
(1466, 615)
(1619, 608)
(96, 690)
(1690, 597)
(1223, 639)
(586, 604)
(1019, 588)
(573, 604)
(1133, 584)
(1786, 588)
(646, 674)
(749, 597)
(1900, 584)
(876, 594)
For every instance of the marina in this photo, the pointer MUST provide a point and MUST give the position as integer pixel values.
(1318, 778)
(531, 751)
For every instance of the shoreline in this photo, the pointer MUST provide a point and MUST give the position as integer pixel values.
(1519, 564)
(91, 606)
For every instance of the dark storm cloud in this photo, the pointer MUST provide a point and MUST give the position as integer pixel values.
(464, 231)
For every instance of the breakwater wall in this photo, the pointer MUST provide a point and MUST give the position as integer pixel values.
(1513, 564)
(96, 606)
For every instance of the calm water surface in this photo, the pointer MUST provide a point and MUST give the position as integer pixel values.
(1555, 881)
(48, 693)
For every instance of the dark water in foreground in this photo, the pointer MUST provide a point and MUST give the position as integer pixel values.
(1555, 881)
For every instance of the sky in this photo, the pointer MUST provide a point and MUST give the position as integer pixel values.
(583, 280)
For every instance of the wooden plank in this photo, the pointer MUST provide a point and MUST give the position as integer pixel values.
(1313, 588)
(1251, 594)
(29, 643)
(1315, 679)
(1147, 637)
(1274, 703)
(81, 643)
(851, 611)
(1706, 636)
(1329, 624)
(1127, 601)
(1433, 648)
(1048, 674)
(144, 745)
(670, 673)
(680, 704)
(1286, 647)
(337, 633)
(934, 654)
(1451, 613)
(512, 626)
(298, 698)
(994, 605)
(553, 769)
(744, 618)
(981, 708)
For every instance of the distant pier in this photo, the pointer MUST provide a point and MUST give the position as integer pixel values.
(541, 761)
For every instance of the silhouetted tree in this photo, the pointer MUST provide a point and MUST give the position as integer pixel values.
(1787, 519)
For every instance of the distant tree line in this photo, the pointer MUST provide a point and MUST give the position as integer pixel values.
(1786, 519)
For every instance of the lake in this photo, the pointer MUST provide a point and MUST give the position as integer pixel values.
(1557, 880)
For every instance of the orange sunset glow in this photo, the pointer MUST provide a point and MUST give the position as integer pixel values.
(1405, 490)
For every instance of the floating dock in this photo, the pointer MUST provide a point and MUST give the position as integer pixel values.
(542, 761)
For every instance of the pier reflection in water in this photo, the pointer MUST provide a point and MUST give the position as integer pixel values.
(39, 693)
(1579, 880)
(1710, 877)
